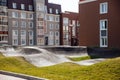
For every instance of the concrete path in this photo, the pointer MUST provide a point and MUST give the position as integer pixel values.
(90, 62)
(4, 75)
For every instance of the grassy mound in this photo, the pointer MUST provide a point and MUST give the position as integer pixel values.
(107, 70)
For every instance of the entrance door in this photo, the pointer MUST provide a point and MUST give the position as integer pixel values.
(103, 33)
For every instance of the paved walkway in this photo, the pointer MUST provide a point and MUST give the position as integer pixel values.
(4, 75)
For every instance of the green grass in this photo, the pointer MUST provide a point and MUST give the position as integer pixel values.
(79, 58)
(107, 70)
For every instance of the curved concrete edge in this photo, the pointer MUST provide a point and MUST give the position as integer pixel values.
(90, 62)
(24, 76)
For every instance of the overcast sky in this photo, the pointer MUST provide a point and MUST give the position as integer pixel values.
(67, 5)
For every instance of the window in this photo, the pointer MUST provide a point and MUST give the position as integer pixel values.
(23, 15)
(30, 41)
(15, 37)
(23, 24)
(50, 10)
(15, 14)
(57, 26)
(51, 18)
(23, 41)
(40, 7)
(15, 32)
(57, 33)
(103, 24)
(57, 19)
(51, 26)
(23, 33)
(104, 33)
(15, 23)
(103, 8)
(31, 24)
(30, 33)
(22, 6)
(30, 8)
(65, 20)
(30, 15)
(51, 33)
(57, 11)
(14, 5)
(15, 41)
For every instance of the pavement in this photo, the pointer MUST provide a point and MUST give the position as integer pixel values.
(4, 75)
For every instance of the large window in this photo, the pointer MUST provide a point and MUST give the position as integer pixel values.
(104, 33)
(103, 8)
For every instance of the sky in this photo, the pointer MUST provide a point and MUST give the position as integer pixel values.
(67, 5)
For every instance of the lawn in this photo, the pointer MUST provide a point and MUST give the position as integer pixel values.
(107, 70)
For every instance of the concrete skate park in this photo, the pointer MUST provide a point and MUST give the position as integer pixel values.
(48, 56)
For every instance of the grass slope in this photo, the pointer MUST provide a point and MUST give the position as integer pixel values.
(108, 70)
(79, 58)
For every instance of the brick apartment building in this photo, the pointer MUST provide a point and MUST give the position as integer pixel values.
(69, 31)
(99, 23)
(29, 22)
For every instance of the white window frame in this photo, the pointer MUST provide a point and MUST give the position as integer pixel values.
(105, 38)
(50, 10)
(57, 11)
(23, 6)
(104, 8)
(15, 36)
(23, 15)
(14, 5)
(30, 7)
(15, 14)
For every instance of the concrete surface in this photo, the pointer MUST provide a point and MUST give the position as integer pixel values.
(90, 62)
(6, 77)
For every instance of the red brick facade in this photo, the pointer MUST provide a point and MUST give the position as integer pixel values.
(73, 29)
(89, 17)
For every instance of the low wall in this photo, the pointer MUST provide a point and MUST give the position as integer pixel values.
(103, 52)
